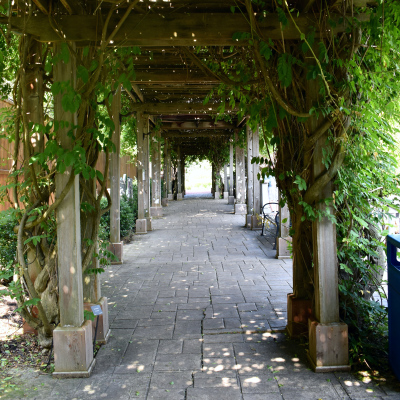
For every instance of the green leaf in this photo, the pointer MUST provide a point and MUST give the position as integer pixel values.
(285, 69)
(83, 74)
(233, 8)
(282, 17)
(88, 315)
(65, 52)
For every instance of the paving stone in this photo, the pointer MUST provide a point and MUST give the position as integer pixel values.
(192, 346)
(213, 323)
(258, 384)
(168, 380)
(154, 332)
(225, 338)
(180, 362)
(213, 394)
(211, 382)
(325, 393)
(212, 350)
(170, 347)
(166, 394)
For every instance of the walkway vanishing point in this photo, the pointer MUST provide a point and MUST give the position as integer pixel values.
(192, 313)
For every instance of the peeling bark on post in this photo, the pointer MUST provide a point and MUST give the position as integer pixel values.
(146, 161)
(156, 209)
(231, 169)
(250, 177)
(240, 206)
(179, 172)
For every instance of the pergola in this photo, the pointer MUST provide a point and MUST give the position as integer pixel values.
(169, 85)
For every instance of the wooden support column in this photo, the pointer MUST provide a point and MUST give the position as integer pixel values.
(164, 200)
(169, 168)
(179, 183)
(116, 245)
(156, 208)
(282, 243)
(328, 337)
(146, 157)
(226, 186)
(256, 219)
(217, 178)
(231, 198)
(212, 178)
(141, 222)
(240, 205)
(250, 177)
(73, 348)
(183, 175)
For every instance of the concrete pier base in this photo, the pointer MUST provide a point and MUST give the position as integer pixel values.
(299, 311)
(256, 223)
(170, 197)
(156, 211)
(179, 197)
(164, 202)
(328, 346)
(282, 248)
(141, 226)
(226, 196)
(240, 209)
(231, 200)
(103, 326)
(217, 195)
(73, 351)
(118, 250)
(149, 224)
(247, 222)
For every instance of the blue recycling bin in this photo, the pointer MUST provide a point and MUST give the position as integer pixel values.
(393, 243)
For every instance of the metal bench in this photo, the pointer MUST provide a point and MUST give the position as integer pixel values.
(270, 220)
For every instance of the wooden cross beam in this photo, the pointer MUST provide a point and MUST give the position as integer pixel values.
(180, 108)
(183, 134)
(171, 29)
(197, 125)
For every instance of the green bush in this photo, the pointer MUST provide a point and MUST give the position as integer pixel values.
(128, 215)
(8, 239)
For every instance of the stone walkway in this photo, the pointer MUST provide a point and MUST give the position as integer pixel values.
(196, 312)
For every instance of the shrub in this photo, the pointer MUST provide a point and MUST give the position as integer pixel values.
(8, 240)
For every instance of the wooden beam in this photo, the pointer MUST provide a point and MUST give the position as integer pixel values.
(180, 108)
(197, 125)
(153, 76)
(183, 134)
(170, 29)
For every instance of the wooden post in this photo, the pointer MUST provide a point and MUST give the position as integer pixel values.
(226, 187)
(328, 337)
(73, 348)
(183, 176)
(169, 168)
(164, 200)
(146, 159)
(156, 208)
(240, 206)
(116, 245)
(250, 177)
(179, 183)
(255, 218)
(141, 222)
(282, 250)
(212, 178)
(231, 198)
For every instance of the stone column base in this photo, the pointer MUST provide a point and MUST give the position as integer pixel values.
(328, 346)
(231, 200)
(170, 197)
(156, 211)
(103, 327)
(179, 197)
(164, 202)
(240, 209)
(247, 222)
(118, 250)
(282, 248)
(299, 311)
(255, 223)
(149, 224)
(141, 226)
(216, 195)
(73, 351)
(226, 196)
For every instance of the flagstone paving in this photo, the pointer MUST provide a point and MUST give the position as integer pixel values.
(197, 312)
